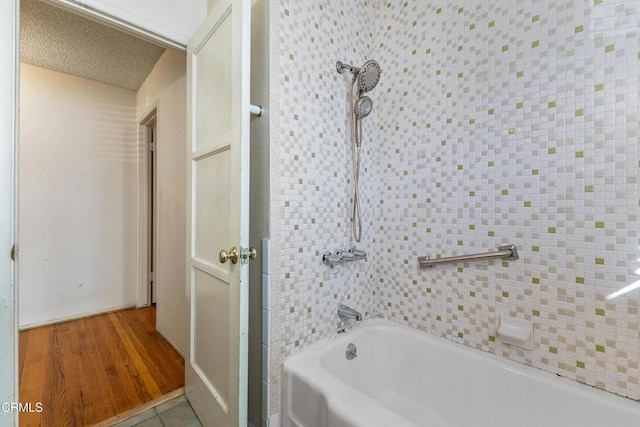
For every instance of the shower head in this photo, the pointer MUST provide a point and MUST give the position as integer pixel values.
(365, 79)
(363, 107)
(368, 76)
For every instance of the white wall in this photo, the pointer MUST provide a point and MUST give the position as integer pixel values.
(166, 88)
(77, 207)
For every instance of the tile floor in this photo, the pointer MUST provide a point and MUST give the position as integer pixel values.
(174, 413)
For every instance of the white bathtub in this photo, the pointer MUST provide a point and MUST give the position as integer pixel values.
(403, 377)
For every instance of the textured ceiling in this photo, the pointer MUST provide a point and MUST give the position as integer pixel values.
(61, 41)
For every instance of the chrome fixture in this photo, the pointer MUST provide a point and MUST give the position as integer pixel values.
(359, 253)
(341, 256)
(362, 108)
(345, 312)
(351, 352)
(331, 259)
(367, 76)
(342, 67)
(509, 252)
(365, 79)
(347, 256)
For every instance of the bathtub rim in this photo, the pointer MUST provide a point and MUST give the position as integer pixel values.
(311, 356)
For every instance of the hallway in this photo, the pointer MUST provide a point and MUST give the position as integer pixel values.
(89, 370)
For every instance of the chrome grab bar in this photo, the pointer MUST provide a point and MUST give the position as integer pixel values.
(504, 252)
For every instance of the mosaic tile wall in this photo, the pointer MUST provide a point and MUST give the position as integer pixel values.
(515, 122)
(494, 122)
(311, 181)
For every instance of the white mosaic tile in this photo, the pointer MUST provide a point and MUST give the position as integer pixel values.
(311, 174)
(515, 123)
(494, 122)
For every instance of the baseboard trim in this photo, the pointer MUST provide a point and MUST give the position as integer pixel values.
(170, 341)
(140, 409)
(74, 317)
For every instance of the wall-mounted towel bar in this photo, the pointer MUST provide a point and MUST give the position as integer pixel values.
(504, 252)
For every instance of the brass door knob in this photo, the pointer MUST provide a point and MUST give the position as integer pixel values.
(253, 254)
(231, 255)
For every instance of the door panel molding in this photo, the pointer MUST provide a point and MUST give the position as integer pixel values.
(218, 214)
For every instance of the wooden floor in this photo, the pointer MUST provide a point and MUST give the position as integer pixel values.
(88, 370)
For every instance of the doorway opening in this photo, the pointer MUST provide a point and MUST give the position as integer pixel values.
(150, 129)
(89, 209)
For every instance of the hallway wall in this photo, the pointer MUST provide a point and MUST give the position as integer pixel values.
(77, 206)
(166, 86)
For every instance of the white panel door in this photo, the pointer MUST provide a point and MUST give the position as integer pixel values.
(218, 216)
(8, 132)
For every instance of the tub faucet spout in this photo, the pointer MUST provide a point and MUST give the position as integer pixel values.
(345, 312)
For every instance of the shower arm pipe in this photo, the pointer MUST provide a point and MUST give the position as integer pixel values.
(509, 252)
(341, 67)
